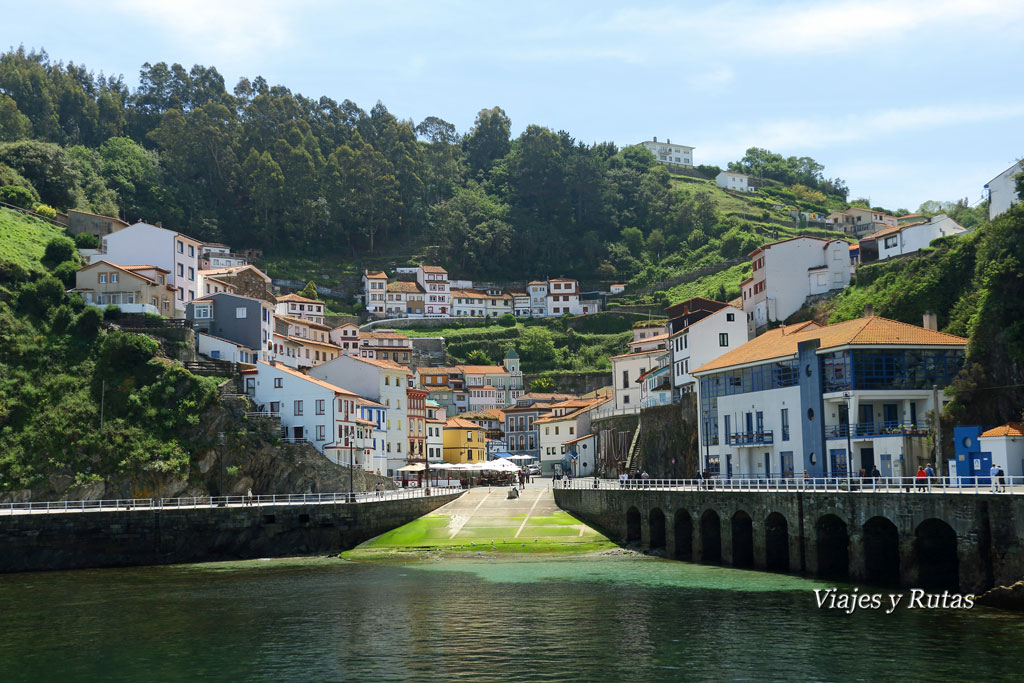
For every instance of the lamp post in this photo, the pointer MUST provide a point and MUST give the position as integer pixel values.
(849, 440)
(426, 461)
(351, 473)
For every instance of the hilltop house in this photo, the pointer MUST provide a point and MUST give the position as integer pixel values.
(700, 330)
(786, 273)
(175, 253)
(133, 288)
(80, 222)
(741, 182)
(907, 237)
(673, 156)
(1002, 191)
(247, 280)
(296, 306)
(245, 322)
(858, 221)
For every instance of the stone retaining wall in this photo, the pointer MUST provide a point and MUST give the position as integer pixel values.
(78, 540)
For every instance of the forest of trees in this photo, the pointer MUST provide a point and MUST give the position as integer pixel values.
(261, 166)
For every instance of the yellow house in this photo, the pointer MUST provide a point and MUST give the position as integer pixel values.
(463, 441)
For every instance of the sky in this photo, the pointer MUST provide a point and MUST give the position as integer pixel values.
(907, 101)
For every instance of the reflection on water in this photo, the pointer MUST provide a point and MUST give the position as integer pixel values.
(617, 619)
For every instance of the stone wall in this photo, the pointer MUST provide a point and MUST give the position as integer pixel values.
(572, 382)
(78, 540)
(786, 529)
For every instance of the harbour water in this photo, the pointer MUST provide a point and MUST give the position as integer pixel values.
(598, 618)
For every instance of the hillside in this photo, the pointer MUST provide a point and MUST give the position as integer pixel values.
(23, 239)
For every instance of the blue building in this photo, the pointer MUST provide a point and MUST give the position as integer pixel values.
(830, 400)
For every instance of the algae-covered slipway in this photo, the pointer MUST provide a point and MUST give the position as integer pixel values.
(485, 519)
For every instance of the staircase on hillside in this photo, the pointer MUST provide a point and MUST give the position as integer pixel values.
(633, 455)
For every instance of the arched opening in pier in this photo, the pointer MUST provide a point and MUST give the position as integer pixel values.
(657, 526)
(684, 535)
(632, 525)
(881, 552)
(742, 540)
(938, 567)
(710, 537)
(833, 548)
(776, 543)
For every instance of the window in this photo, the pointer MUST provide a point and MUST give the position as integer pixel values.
(469, 436)
(891, 242)
(785, 424)
(181, 270)
(203, 312)
(240, 312)
(181, 247)
(723, 339)
(625, 379)
(191, 250)
(103, 278)
(319, 432)
(275, 407)
(278, 383)
(730, 317)
(191, 273)
(320, 406)
(297, 408)
(113, 277)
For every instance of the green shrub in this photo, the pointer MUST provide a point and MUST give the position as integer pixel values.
(37, 298)
(112, 312)
(87, 324)
(58, 250)
(86, 240)
(61, 319)
(507, 320)
(66, 272)
(46, 211)
(17, 196)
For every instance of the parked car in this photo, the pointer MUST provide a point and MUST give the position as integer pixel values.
(534, 470)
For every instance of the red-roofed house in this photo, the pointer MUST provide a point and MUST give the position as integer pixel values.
(1006, 444)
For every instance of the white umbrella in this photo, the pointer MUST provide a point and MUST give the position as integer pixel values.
(519, 457)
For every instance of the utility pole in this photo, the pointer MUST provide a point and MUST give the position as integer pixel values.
(938, 426)
(351, 474)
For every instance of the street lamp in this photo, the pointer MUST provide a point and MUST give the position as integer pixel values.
(849, 441)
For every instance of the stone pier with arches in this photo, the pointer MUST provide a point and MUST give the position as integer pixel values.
(933, 541)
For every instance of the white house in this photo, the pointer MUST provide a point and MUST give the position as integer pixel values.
(380, 381)
(375, 285)
(702, 330)
(786, 273)
(907, 238)
(437, 293)
(346, 336)
(538, 292)
(166, 249)
(626, 369)
(1002, 191)
(435, 436)
(735, 181)
(373, 417)
(219, 348)
(296, 306)
(669, 154)
(860, 221)
(617, 289)
(824, 399)
(310, 409)
(521, 304)
(567, 421)
(563, 297)
(468, 303)
(1006, 444)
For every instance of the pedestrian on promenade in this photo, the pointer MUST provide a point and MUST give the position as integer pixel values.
(875, 476)
(645, 477)
(807, 478)
(376, 489)
(993, 475)
(930, 474)
(1002, 479)
(248, 496)
(920, 477)
(700, 479)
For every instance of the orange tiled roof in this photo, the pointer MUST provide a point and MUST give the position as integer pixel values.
(1008, 429)
(295, 373)
(403, 287)
(433, 269)
(872, 331)
(483, 369)
(386, 364)
(460, 423)
(299, 299)
(303, 321)
(376, 273)
(637, 353)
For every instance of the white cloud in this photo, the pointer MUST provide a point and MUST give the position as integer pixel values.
(790, 135)
(218, 29)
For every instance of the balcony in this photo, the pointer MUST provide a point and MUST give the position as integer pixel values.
(862, 430)
(751, 438)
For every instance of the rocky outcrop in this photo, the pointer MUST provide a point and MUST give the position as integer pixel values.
(231, 453)
(1004, 597)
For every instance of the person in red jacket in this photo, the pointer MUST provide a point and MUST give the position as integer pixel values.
(922, 478)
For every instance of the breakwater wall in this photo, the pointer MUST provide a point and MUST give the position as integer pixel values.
(78, 540)
(967, 542)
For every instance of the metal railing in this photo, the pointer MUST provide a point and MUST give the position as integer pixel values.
(220, 501)
(887, 428)
(754, 484)
(751, 438)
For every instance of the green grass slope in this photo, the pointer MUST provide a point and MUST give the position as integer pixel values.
(23, 239)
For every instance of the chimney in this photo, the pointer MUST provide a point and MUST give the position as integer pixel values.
(668, 141)
(931, 321)
(869, 311)
(655, 138)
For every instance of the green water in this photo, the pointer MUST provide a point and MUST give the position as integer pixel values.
(594, 619)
